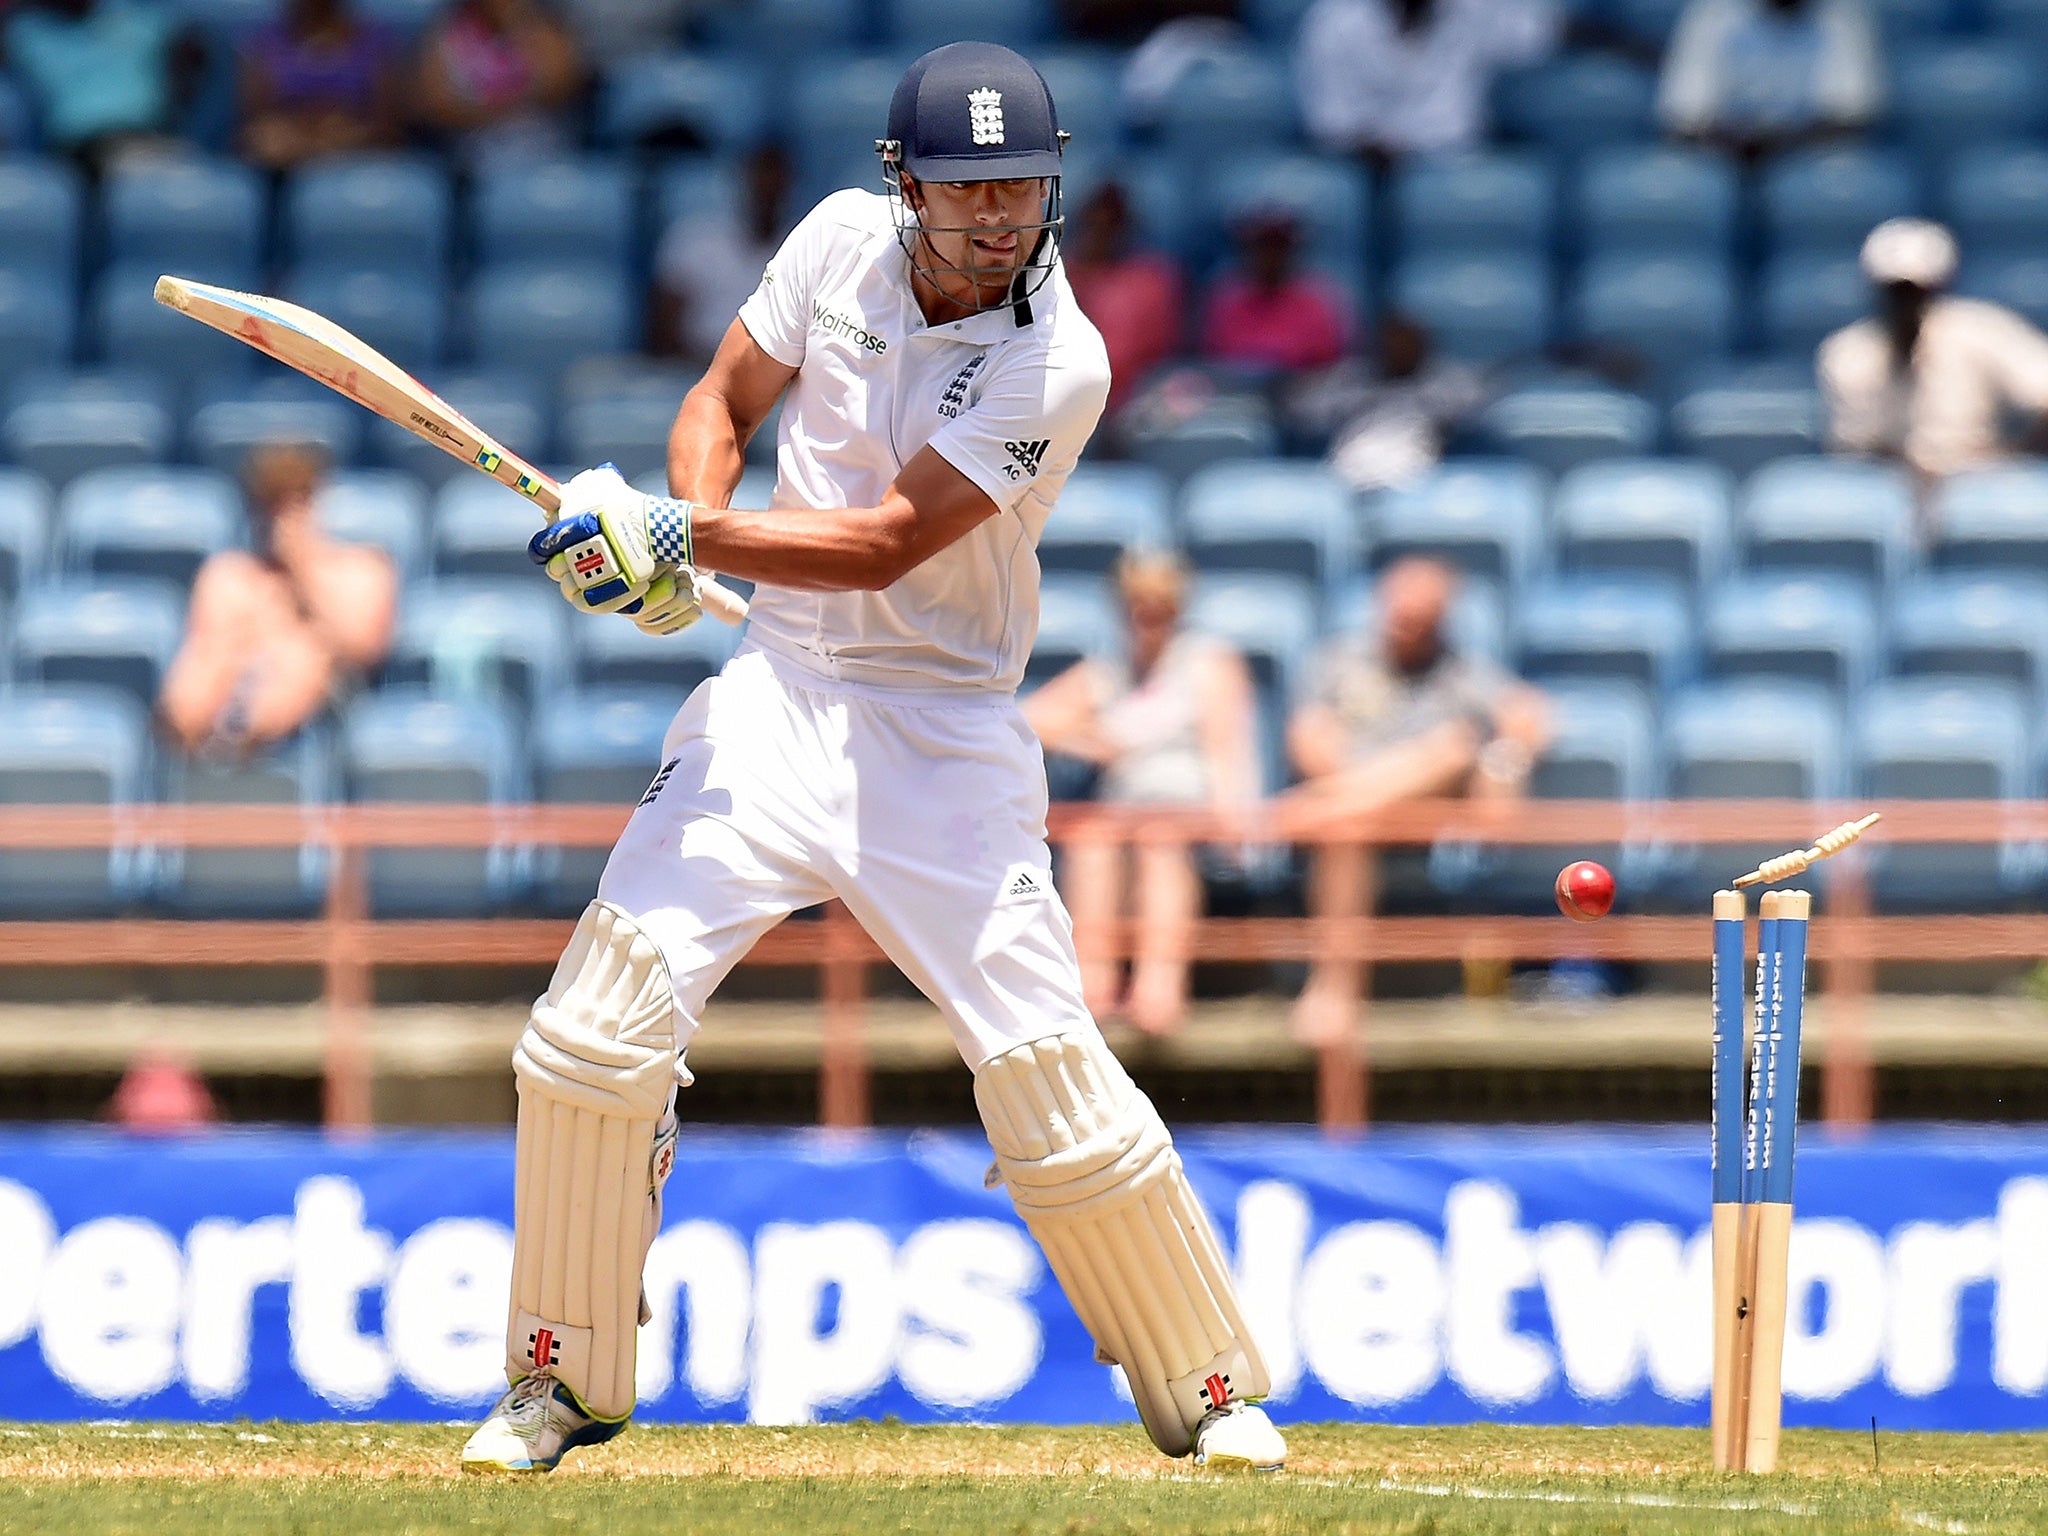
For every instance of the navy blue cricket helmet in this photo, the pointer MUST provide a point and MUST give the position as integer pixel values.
(975, 112)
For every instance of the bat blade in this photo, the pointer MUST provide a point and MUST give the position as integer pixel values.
(320, 349)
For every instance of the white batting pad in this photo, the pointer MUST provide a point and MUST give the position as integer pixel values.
(595, 1068)
(1094, 1174)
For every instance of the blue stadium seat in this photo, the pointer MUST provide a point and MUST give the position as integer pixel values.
(1077, 618)
(1633, 517)
(697, 187)
(509, 404)
(1967, 624)
(1965, 91)
(2016, 280)
(159, 523)
(1672, 311)
(1828, 199)
(1271, 620)
(1913, 24)
(1753, 740)
(780, 27)
(274, 407)
(1484, 516)
(384, 211)
(384, 508)
(65, 424)
(917, 26)
(1813, 629)
(1274, 22)
(563, 313)
(1230, 426)
(1477, 624)
(839, 104)
(38, 316)
(682, 101)
(1843, 516)
(1475, 202)
(41, 208)
(111, 632)
(1479, 308)
(620, 411)
(25, 510)
(71, 746)
(1806, 297)
(594, 746)
(402, 314)
(1331, 197)
(1747, 415)
(567, 209)
(251, 882)
(482, 528)
(1087, 87)
(1271, 515)
(1655, 198)
(1744, 740)
(505, 637)
(1225, 104)
(1578, 101)
(1645, 21)
(1563, 425)
(1603, 746)
(1995, 196)
(1103, 510)
(1604, 629)
(2024, 22)
(407, 745)
(1940, 738)
(197, 218)
(1992, 519)
(609, 654)
(407, 18)
(135, 331)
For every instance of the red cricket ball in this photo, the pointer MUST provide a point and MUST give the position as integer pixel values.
(1585, 890)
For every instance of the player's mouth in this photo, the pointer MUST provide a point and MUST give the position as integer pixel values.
(1002, 247)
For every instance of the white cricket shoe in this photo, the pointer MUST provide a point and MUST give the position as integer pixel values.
(532, 1427)
(1237, 1437)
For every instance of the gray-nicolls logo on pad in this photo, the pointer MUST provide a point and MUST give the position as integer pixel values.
(985, 115)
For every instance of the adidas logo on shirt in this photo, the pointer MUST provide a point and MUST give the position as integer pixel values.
(1030, 455)
(1023, 885)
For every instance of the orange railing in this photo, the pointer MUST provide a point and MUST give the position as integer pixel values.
(349, 944)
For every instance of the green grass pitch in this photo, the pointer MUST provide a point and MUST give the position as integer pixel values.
(871, 1479)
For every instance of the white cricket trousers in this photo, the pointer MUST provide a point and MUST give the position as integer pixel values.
(925, 814)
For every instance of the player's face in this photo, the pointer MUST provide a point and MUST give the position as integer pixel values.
(980, 233)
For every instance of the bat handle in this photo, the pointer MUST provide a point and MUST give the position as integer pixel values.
(722, 603)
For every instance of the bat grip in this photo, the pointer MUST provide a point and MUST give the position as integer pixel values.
(723, 604)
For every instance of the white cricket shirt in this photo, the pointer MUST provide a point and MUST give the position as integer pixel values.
(1008, 400)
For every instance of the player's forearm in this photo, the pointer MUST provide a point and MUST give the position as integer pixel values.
(832, 549)
(706, 451)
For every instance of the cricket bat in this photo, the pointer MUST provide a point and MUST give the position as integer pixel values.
(322, 350)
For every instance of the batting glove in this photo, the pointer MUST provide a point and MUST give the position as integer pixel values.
(611, 543)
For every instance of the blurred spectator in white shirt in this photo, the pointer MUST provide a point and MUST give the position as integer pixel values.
(1386, 412)
(1757, 75)
(1387, 78)
(1929, 377)
(706, 266)
(1169, 721)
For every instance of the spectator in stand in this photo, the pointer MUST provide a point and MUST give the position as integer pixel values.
(705, 268)
(1394, 715)
(106, 78)
(1128, 22)
(275, 634)
(611, 32)
(1169, 722)
(500, 74)
(318, 81)
(1267, 314)
(1388, 78)
(1385, 417)
(1135, 297)
(1755, 76)
(1928, 378)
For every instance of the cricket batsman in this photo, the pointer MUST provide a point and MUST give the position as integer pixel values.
(864, 743)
